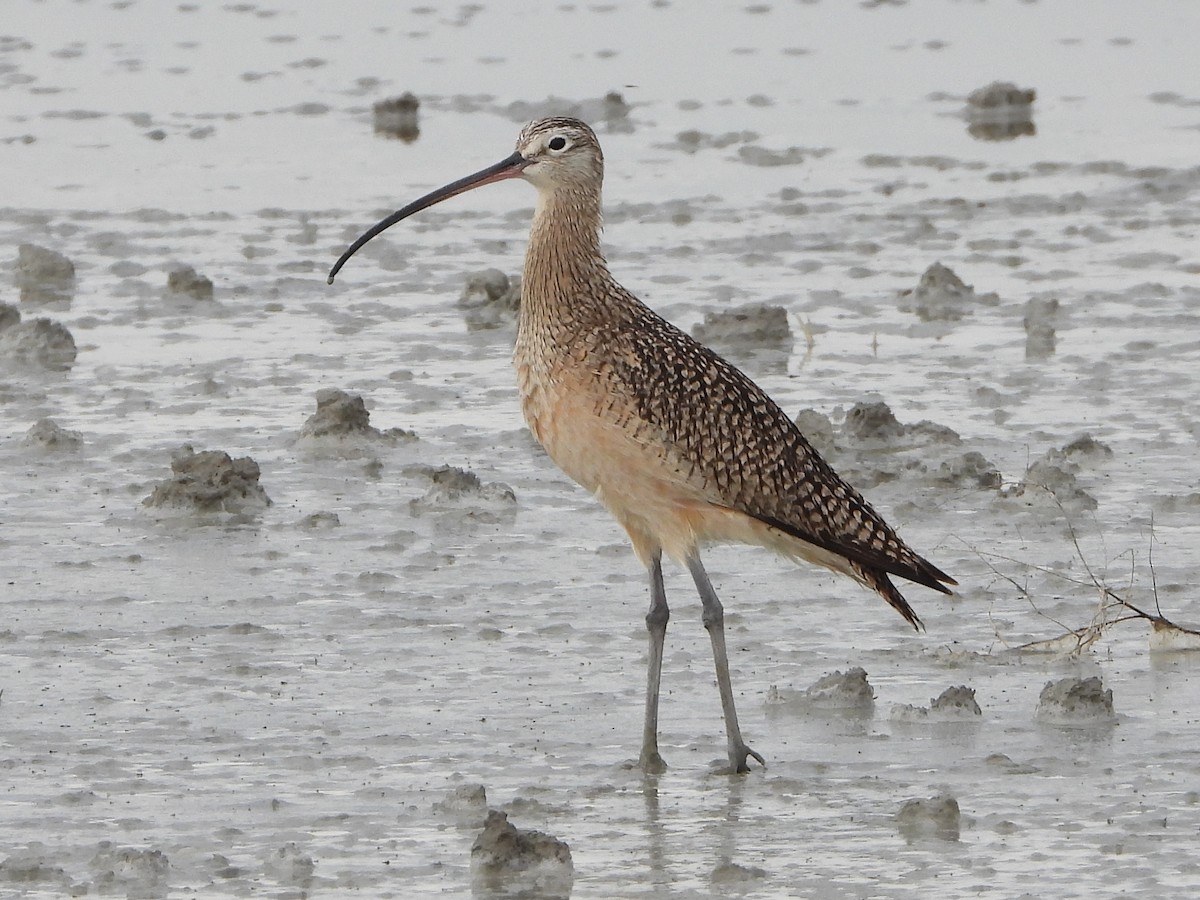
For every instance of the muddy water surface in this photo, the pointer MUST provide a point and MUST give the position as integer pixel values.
(285, 700)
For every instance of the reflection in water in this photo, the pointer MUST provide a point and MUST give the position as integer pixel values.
(1003, 129)
(715, 855)
(655, 850)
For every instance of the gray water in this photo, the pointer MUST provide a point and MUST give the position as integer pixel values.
(278, 702)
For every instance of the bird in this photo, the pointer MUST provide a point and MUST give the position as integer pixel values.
(681, 447)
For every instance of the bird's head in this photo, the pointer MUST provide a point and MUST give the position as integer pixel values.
(553, 154)
(560, 152)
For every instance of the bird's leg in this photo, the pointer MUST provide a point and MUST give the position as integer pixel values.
(656, 624)
(714, 621)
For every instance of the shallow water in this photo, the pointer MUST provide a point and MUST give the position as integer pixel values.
(219, 689)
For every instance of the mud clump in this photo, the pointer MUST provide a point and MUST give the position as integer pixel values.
(941, 296)
(1001, 95)
(692, 141)
(490, 299)
(32, 870)
(342, 426)
(1085, 447)
(731, 874)
(39, 342)
(936, 817)
(872, 423)
(338, 413)
(754, 155)
(955, 704)
(396, 117)
(465, 806)
(289, 865)
(1053, 479)
(818, 430)
(321, 521)
(753, 325)
(130, 871)
(44, 275)
(453, 489)
(1041, 321)
(210, 481)
(509, 860)
(836, 692)
(1076, 701)
(612, 109)
(1000, 111)
(970, 470)
(872, 447)
(50, 436)
(186, 281)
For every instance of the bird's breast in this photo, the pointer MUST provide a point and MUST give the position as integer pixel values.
(592, 431)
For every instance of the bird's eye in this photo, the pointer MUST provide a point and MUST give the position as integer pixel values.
(557, 142)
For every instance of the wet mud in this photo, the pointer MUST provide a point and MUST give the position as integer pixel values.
(363, 608)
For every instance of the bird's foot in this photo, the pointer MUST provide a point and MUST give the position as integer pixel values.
(651, 763)
(739, 759)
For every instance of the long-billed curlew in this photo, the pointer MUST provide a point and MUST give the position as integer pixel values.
(680, 446)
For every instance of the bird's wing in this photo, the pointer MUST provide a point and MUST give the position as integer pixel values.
(734, 444)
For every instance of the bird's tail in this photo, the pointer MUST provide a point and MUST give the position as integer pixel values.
(878, 580)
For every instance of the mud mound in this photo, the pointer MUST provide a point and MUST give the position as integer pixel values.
(490, 299)
(872, 423)
(39, 342)
(44, 275)
(210, 481)
(1000, 111)
(291, 866)
(873, 447)
(1053, 480)
(611, 109)
(818, 429)
(836, 692)
(1076, 701)
(752, 325)
(730, 874)
(465, 805)
(49, 435)
(970, 470)
(130, 871)
(941, 296)
(1041, 322)
(507, 859)
(32, 870)
(338, 413)
(936, 817)
(396, 117)
(459, 490)
(187, 282)
(955, 704)
(341, 426)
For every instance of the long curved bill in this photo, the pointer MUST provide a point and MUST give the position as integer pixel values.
(509, 167)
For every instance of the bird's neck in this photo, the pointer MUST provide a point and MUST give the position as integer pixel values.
(565, 272)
